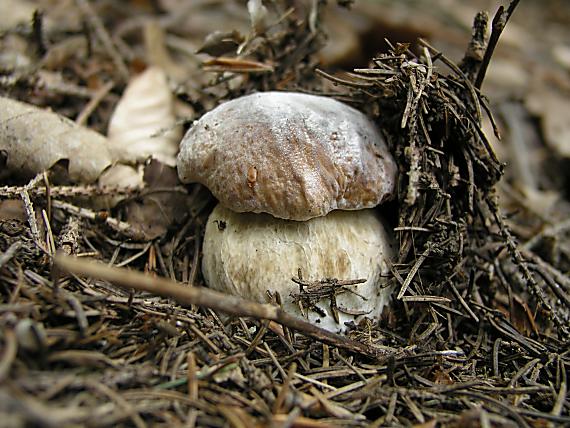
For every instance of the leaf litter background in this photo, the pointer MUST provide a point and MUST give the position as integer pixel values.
(478, 333)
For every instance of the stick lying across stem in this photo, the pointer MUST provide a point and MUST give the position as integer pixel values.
(205, 297)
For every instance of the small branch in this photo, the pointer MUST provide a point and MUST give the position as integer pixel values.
(413, 272)
(32, 221)
(10, 253)
(9, 353)
(499, 22)
(215, 300)
(92, 105)
(88, 191)
(125, 228)
(38, 32)
(104, 37)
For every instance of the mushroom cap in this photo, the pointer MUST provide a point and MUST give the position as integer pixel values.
(292, 155)
(246, 254)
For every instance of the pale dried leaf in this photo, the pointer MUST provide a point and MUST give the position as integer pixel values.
(21, 12)
(122, 176)
(257, 15)
(553, 108)
(143, 123)
(34, 139)
(561, 54)
(118, 176)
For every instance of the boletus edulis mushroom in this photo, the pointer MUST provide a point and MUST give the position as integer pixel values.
(296, 176)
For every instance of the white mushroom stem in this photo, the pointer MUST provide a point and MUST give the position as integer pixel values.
(248, 254)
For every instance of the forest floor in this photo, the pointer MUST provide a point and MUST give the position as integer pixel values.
(477, 333)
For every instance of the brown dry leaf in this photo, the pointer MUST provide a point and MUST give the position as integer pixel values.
(236, 65)
(441, 377)
(523, 318)
(34, 139)
(118, 176)
(12, 209)
(156, 212)
(220, 42)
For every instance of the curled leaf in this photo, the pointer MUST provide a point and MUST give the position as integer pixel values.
(143, 123)
(34, 139)
(257, 15)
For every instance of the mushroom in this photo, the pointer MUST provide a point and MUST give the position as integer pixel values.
(279, 163)
(247, 254)
(294, 156)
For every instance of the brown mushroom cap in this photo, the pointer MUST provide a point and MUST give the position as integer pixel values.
(292, 155)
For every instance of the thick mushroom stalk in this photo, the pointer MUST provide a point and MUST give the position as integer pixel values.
(249, 254)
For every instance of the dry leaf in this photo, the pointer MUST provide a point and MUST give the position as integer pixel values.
(143, 123)
(157, 211)
(236, 65)
(12, 209)
(34, 139)
(553, 108)
(119, 175)
(441, 377)
(220, 43)
(21, 12)
(343, 43)
(561, 54)
(257, 15)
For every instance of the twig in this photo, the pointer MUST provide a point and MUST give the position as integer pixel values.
(120, 226)
(68, 239)
(413, 272)
(93, 103)
(10, 253)
(343, 81)
(89, 190)
(554, 230)
(278, 403)
(32, 221)
(9, 353)
(499, 22)
(121, 402)
(522, 265)
(204, 297)
(38, 32)
(104, 37)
